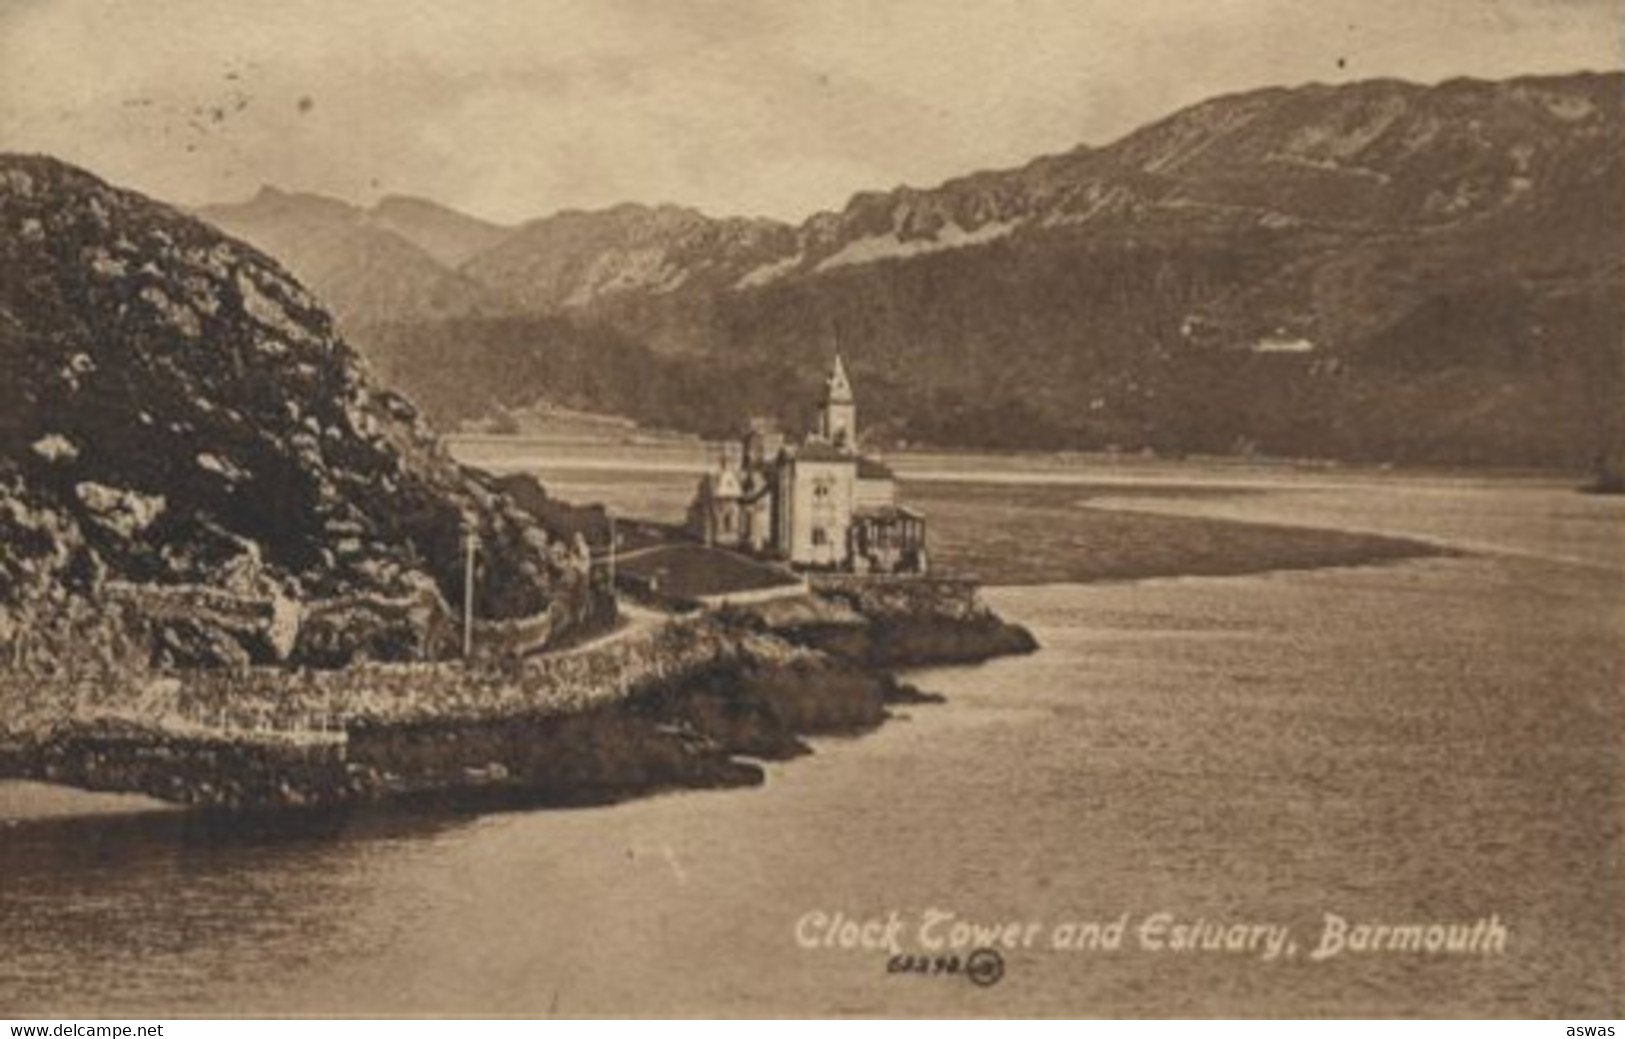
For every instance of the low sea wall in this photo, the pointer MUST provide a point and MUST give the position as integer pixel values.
(197, 768)
(669, 705)
(567, 682)
(198, 625)
(754, 596)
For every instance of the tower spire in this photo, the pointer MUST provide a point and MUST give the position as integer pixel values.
(838, 413)
(838, 390)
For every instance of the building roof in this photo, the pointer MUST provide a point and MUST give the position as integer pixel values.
(823, 451)
(887, 512)
(869, 469)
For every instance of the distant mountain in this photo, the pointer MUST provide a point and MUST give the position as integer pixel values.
(444, 233)
(574, 259)
(1377, 271)
(179, 417)
(366, 266)
(1366, 156)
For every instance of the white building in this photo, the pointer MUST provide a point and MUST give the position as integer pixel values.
(819, 504)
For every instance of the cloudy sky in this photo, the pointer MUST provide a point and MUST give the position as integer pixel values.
(515, 108)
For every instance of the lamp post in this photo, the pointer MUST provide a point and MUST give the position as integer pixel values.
(470, 544)
(609, 514)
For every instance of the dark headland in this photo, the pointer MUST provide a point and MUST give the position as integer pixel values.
(232, 564)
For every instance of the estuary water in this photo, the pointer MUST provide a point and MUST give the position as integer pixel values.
(1440, 741)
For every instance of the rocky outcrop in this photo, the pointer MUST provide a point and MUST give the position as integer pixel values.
(923, 641)
(200, 484)
(903, 622)
(177, 411)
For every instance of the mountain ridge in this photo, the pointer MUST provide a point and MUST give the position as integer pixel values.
(449, 235)
(365, 263)
(1138, 294)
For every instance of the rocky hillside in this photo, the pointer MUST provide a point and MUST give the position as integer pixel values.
(1376, 271)
(184, 438)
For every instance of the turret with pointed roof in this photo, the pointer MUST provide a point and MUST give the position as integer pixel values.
(838, 388)
(838, 412)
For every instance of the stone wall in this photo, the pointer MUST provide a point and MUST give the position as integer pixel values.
(664, 706)
(191, 625)
(282, 700)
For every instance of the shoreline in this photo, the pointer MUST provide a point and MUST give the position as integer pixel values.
(699, 707)
(707, 729)
(694, 705)
(706, 707)
(507, 453)
(699, 717)
(29, 800)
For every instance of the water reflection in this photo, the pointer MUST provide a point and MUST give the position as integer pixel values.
(168, 910)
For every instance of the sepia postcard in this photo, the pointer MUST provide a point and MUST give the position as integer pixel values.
(768, 509)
